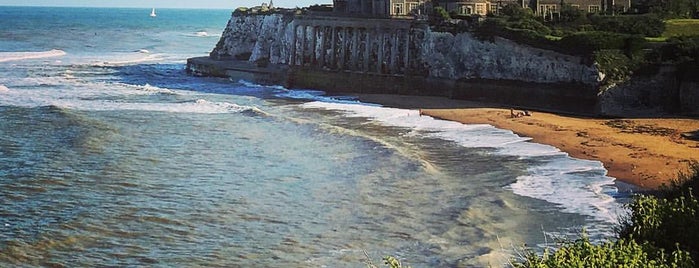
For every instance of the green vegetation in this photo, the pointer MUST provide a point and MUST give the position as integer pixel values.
(675, 9)
(388, 261)
(647, 25)
(620, 45)
(681, 27)
(621, 253)
(661, 231)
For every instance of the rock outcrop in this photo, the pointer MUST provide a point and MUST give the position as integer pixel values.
(462, 56)
(256, 37)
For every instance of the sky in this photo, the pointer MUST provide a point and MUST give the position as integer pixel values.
(223, 4)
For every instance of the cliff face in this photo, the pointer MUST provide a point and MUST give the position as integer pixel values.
(255, 38)
(464, 57)
(269, 37)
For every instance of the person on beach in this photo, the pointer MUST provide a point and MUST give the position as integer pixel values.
(515, 115)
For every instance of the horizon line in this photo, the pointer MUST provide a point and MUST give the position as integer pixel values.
(70, 6)
(24, 5)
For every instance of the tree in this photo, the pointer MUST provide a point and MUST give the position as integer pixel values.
(669, 9)
(516, 12)
(439, 15)
(574, 15)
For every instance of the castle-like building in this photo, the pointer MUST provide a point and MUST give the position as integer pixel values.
(400, 8)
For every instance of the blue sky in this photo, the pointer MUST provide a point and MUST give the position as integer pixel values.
(226, 4)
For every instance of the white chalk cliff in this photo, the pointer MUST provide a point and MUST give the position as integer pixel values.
(448, 56)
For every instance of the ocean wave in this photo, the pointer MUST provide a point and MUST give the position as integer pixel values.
(199, 106)
(304, 94)
(202, 34)
(128, 59)
(18, 56)
(148, 89)
(577, 186)
(110, 97)
(206, 106)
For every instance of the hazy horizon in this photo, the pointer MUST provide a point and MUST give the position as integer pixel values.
(214, 4)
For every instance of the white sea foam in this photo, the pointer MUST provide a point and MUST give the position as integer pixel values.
(121, 59)
(148, 89)
(17, 56)
(577, 186)
(102, 96)
(199, 106)
(202, 34)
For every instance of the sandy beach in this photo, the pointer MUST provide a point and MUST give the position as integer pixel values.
(646, 152)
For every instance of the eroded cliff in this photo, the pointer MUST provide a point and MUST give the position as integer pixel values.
(441, 55)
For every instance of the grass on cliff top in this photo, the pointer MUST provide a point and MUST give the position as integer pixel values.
(680, 27)
(677, 27)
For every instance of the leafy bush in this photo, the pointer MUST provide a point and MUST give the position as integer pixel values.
(439, 15)
(530, 24)
(240, 11)
(622, 253)
(489, 28)
(572, 15)
(681, 49)
(516, 12)
(670, 220)
(647, 25)
(614, 64)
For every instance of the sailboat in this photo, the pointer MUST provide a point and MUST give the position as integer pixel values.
(152, 13)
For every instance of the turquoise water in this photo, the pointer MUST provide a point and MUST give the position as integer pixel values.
(110, 155)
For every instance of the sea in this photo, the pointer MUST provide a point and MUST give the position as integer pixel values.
(111, 155)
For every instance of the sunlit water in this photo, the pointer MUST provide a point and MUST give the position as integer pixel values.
(110, 155)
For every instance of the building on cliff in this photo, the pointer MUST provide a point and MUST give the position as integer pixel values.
(402, 8)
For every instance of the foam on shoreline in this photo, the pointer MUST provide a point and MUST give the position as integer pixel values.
(574, 185)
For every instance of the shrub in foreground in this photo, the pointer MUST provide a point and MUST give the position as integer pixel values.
(622, 253)
(670, 220)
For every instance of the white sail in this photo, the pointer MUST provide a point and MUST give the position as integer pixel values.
(152, 13)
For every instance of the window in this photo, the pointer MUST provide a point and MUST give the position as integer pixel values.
(575, 6)
(494, 8)
(548, 9)
(414, 7)
(398, 9)
(466, 9)
(593, 9)
(480, 9)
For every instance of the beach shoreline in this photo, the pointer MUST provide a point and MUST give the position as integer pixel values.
(645, 152)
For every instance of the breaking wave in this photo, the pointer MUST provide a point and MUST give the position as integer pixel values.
(18, 56)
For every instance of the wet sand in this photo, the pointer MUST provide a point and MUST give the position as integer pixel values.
(646, 152)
